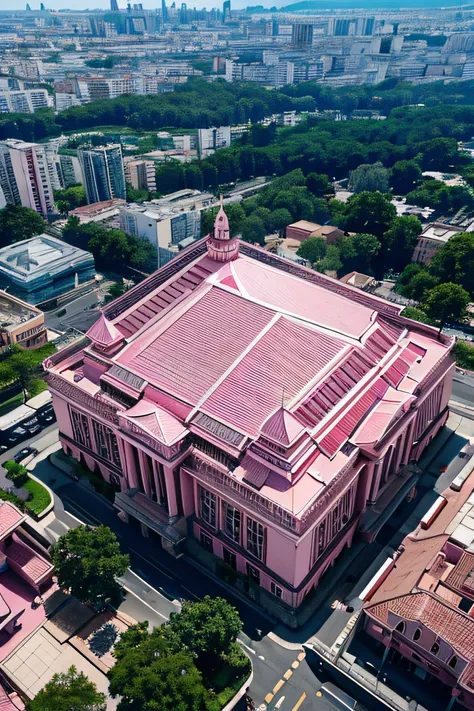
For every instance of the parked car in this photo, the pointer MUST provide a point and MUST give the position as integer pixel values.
(25, 452)
(34, 429)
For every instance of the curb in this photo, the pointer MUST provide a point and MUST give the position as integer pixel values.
(243, 689)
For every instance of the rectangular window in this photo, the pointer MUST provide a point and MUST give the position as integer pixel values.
(207, 506)
(253, 574)
(276, 590)
(80, 426)
(106, 441)
(206, 541)
(229, 558)
(255, 538)
(231, 522)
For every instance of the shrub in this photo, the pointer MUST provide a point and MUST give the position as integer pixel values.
(17, 474)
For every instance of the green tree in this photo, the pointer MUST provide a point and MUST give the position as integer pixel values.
(399, 241)
(406, 276)
(134, 195)
(253, 230)
(416, 315)
(206, 628)
(70, 691)
(312, 249)
(405, 176)
(22, 364)
(279, 220)
(369, 212)
(359, 252)
(371, 177)
(18, 223)
(331, 262)
(444, 302)
(151, 673)
(419, 285)
(87, 562)
(454, 262)
(74, 196)
(63, 207)
(319, 184)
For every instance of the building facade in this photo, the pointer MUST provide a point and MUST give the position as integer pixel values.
(25, 176)
(104, 176)
(251, 410)
(20, 323)
(141, 174)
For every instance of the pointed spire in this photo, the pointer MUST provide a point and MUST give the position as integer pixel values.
(221, 246)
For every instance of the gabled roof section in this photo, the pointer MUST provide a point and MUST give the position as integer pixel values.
(155, 421)
(282, 427)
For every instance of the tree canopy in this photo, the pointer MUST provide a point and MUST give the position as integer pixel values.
(369, 176)
(444, 302)
(70, 691)
(87, 562)
(18, 223)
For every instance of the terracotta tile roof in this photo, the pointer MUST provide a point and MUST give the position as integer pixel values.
(10, 518)
(462, 576)
(456, 628)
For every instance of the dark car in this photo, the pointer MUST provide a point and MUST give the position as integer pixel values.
(23, 453)
(34, 429)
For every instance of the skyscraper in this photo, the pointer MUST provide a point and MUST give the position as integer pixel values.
(114, 6)
(226, 11)
(103, 171)
(24, 175)
(164, 11)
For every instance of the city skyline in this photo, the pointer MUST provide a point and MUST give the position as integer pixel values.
(57, 5)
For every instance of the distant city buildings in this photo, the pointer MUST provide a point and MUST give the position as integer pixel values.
(26, 102)
(212, 138)
(141, 174)
(103, 171)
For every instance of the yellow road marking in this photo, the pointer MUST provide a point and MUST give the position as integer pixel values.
(268, 698)
(287, 674)
(295, 664)
(299, 702)
(301, 656)
(278, 686)
(319, 693)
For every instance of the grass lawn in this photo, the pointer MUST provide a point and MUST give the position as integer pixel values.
(36, 386)
(10, 404)
(39, 498)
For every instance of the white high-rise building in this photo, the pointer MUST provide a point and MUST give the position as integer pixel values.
(212, 138)
(104, 176)
(25, 175)
(25, 102)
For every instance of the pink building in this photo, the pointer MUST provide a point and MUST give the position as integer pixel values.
(250, 409)
(421, 607)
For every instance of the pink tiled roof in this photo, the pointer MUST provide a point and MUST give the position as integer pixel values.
(10, 518)
(196, 350)
(342, 430)
(282, 427)
(32, 564)
(104, 332)
(302, 298)
(281, 363)
(456, 628)
(156, 421)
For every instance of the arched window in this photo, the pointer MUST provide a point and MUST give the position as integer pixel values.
(400, 627)
(416, 634)
(453, 661)
(435, 648)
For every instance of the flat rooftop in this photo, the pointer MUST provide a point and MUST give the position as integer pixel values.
(40, 257)
(14, 311)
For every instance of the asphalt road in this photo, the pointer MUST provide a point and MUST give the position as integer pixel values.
(78, 313)
(463, 389)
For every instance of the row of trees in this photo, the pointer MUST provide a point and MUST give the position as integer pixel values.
(191, 663)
